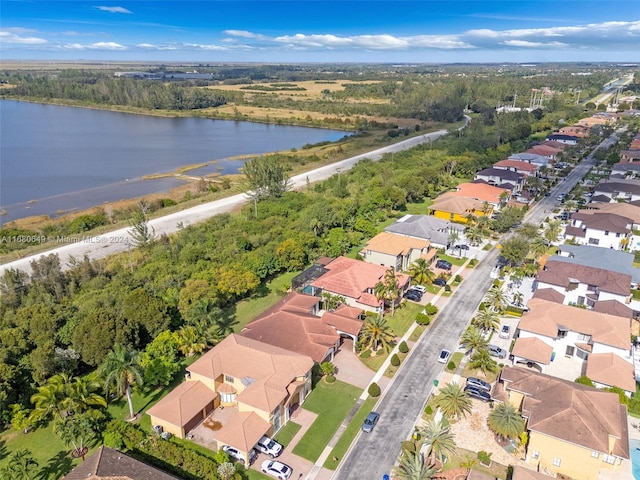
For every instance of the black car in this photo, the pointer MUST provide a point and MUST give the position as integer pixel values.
(478, 384)
(440, 282)
(413, 295)
(443, 264)
(477, 393)
(461, 247)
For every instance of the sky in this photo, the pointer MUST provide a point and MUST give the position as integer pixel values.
(426, 31)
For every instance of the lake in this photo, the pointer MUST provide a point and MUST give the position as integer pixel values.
(55, 158)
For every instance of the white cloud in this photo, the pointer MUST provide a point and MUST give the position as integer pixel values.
(9, 35)
(150, 46)
(114, 9)
(94, 46)
(244, 34)
(524, 43)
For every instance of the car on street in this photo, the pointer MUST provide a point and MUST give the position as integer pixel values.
(477, 393)
(235, 454)
(496, 351)
(560, 197)
(443, 264)
(505, 332)
(478, 384)
(444, 356)
(370, 422)
(413, 295)
(419, 288)
(440, 282)
(277, 470)
(269, 446)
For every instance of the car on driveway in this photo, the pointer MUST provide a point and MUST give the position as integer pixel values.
(440, 282)
(444, 356)
(505, 332)
(461, 247)
(269, 446)
(370, 422)
(419, 288)
(235, 454)
(496, 351)
(413, 295)
(477, 393)
(478, 384)
(277, 470)
(443, 264)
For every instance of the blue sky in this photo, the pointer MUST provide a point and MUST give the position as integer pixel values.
(426, 31)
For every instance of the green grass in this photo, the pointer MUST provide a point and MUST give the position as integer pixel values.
(415, 335)
(374, 363)
(456, 358)
(403, 317)
(332, 402)
(453, 260)
(255, 475)
(349, 434)
(472, 372)
(286, 434)
(419, 208)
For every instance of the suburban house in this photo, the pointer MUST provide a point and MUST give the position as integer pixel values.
(494, 196)
(627, 170)
(574, 430)
(458, 209)
(580, 131)
(552, 143)
(436, 231)
(502, 178)
(545, 150)
(539, 160)
(630, 156)
(624, 209)
(397, 251)
(564, 138)
(355, 281)
(583, 285)
(551, 329)
(619, 189)
(598, 119)
(518, 166)
(258, 385)
(605, 230)
(109, 464)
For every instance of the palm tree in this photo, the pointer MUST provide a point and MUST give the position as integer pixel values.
(473, 339)
(421, 273)
(193, 339)
(486, 320)
(553, 230)
(538, 247)
(482, 361)
(76, 431)
(530, 268)
(440, 440)
(518, 298)
(82, 395)
(376, 333)
(474, 234)
(51, 399)
(505, 420)
(387, 290)
(453, 401)
(412, 466)
(454, 236)
(495, 298)
(120, 369)
(21, 466)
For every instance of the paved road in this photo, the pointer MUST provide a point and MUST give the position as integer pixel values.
(101, 246)
(373, 455)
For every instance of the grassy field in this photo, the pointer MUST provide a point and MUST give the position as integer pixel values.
(286, 434)
(456, 358)
(332, 402)
(404, 317)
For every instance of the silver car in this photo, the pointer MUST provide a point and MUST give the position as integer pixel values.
(496, 351)
(370, 422)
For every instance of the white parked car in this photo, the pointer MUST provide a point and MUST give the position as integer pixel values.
(269, 446)
(276, 469)
(235, 454)
(444, 356)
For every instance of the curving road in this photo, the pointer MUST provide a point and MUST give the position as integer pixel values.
(101, 246)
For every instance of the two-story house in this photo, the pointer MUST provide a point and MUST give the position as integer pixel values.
(458, 209)
(260, 385)
(619, 190)
(574, 430)
(603, 230)
(627, 170)
(530, 158)
(523, 168)
(502, 178)
(397, 251)
(436, 231)
(546, 150)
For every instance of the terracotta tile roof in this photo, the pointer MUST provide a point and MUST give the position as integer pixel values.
(243, 431)
(623, 209)
(549, 294)
(393, 244)
(545, 318)
(533, 348)
(109, 464)
(266, 368)
(353, 278)
(517, 164)
(543, 150)
(603, 221)
(454, 204)
(560, 273)
(554, 144)
(183, 403)
(479, 191)
(290, 326)
(613, 307)
(571, 412)
(610, 369)
(522, 473)
(345, 318)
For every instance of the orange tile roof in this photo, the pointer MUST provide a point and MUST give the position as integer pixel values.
(393, 244)
(554, 144)
(610, 369)
(454, 204)
(533, 348)
(545, 317)
(517, 164)
(352, 278)
(543, 150)
(344, 318)
(479, 191)
(183, 403)
(267, 369)
(243, 431)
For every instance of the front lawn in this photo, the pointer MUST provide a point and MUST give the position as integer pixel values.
(459, 261)
(456, 358)
(286, 433)
(349, 434)
(332, 402)
(472, 372)
(404, 317)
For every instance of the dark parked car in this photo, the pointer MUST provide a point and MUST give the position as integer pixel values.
(478, 384)
(370, 422)
(440, 282)
(461, 247)
(477, 393)
(443, 264)
(413, 295)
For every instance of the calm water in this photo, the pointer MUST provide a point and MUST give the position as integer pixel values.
(55, 158)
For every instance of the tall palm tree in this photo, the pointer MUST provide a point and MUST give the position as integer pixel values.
(486, 320)
(454, 236)
(553, 230)
(21, 466)
(538, 247)
(120, 369)
(82, 395)
(473, 339)
(474, 233)
(376, 333)
(481, 360)
(518, 298)
(440, 439)
(421, 273)
(387, 290)
(453, 401)
(505, 420)
(51, 399)
(412, 466)
(496, 298)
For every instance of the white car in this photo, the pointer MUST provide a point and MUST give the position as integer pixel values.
(444, 356)
(276, 469)
(269, 446)
(419, 288)
(235, 454)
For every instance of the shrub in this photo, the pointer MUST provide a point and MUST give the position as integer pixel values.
(447, 288)
(403, 348)
(113, 440)
(428, 410)
(395, 360)
(451, 366)
(423, 319)
(584, 380)
(457, 279)
(430, 309)
(365, 354)
(374, 390)
(408, 446)
(484, 457)
(330, 378)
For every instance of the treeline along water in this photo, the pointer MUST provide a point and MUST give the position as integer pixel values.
(55, 158)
